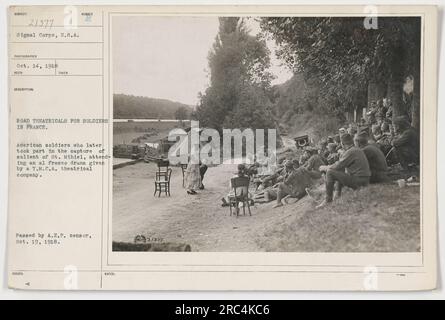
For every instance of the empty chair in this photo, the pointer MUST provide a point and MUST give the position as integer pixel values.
(240, 186)
(162, 182)
(163, 166)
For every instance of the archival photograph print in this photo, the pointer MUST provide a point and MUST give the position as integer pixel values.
(266, 134)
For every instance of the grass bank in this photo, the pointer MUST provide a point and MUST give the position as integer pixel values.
(379, 218)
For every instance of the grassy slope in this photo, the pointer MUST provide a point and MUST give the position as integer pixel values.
(379, 218)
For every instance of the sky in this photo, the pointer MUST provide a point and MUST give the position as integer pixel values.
(166, 57)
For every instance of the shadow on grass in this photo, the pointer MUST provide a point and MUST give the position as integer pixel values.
(378, 218)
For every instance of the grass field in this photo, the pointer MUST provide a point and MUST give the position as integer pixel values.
(379, 218)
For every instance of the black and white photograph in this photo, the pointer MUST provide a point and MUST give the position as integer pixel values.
(228, 152)
(325, 113)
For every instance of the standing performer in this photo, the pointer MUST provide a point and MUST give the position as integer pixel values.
(192, 178)
(192, 173)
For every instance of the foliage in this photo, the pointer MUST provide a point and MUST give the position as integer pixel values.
(251, 111)
(341, 57)
(182, 113)
(239, 80)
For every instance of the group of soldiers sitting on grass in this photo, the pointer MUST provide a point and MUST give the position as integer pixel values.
(361, 154)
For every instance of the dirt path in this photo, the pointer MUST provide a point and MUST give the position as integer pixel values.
(196, 220)
(380, 218)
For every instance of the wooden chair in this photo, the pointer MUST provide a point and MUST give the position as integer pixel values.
(184, 169)
(240, 187)
(163, 166)
(162, 182)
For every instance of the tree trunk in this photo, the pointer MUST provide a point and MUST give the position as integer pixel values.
(376, 91)
(395, 93)
(396, 81)
(416, 102)
(416, 89)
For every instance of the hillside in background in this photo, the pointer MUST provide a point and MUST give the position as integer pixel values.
(296, 109)
(134, 107)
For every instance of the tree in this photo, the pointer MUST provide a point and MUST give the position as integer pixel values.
(252, 111)
(181, 113)
(238, 64)
(348, 61)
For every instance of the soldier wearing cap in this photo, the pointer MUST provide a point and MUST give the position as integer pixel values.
(352, 170)
(323, 149)
(333, 156)
(315, 161)
(406, 142)
(375, 156)
(290, 166)
(241, 173)
(295, 185)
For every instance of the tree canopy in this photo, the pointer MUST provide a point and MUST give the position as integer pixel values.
(237, 96)
(182, 113)
(344, 58)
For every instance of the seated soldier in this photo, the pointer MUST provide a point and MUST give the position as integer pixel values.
(352, 129)
(405, 142)
(337, 139)
(333, 155)
(241, 173)
(384, 141)
(270, 193)
(337, 142)
(323, 151)
(267, 181)
(385, 129)
(381, 111)
(252, 169)
(295, 185)
(371, 114)
(314, 162)
(376, 159)
(352, 170)
(273, 178)
(376, 132)
(366, 129)
(303, 158)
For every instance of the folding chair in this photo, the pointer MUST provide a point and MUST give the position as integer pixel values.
(240, 187)
(162, 183)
